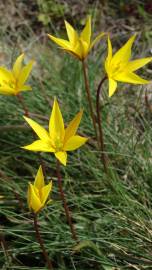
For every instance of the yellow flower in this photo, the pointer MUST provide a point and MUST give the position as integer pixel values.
(38, 193)
(120, 68)
(58, 140)
(13, 81)
(78, 45)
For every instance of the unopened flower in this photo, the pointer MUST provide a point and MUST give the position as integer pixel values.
(38, 192)
(119, 67)
(78, 45)
(59, 139)
(13, 81)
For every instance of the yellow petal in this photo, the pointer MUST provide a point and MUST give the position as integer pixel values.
(74, 142)
(72, 34)
(56, 124)
(5, 76)
(73, 126)
(130, 78)
(124, 53)
(39, 179)
(98, 37)
(78, 50)
(26, 88)
(84, 49)
(109, 57)
(24, 74)
(62, 157)
(17, 65)
(7, 91)
(86, 33)
(39, 130)
(61, 42)
(136, 64)
(112, 87)
(39, 145)
(34, 202)
(45, 192)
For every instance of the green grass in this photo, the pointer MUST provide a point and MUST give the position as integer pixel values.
(112, 214)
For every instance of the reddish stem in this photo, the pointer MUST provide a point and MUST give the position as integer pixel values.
(102, 146)
(66, 208)
(87, 88)
(21, 100)
(40, 240)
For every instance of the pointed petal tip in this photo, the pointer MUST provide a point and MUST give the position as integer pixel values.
(81, 111)
(25, 117)
(65, 163)
(89, 17)
(66, 22)
(24, 147)
(132, 38)
(40, 168)
(62, 157)
(22, 55)
(51, 37)
(30, 184)
(55, 103)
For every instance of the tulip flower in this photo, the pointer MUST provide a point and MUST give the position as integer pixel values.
(78, 45)
(119, 67)
(38, 192)
(13, 81)
(59, 139)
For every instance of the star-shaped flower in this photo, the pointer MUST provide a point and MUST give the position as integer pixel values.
(78, 45)
(119, 67)
(13, 81)
(59, 139)
(38, 192)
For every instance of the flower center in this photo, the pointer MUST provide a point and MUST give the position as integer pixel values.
(11, 84)
(117, 68)
(58, 144)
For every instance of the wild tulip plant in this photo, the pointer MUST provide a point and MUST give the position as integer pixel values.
(118, 67)
(36, 197)
(60, 139)
(80, 46)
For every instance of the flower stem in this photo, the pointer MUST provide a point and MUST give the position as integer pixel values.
(40, 240)
(66, 208)
(101, 139)
(87, 88)
(21, 101)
